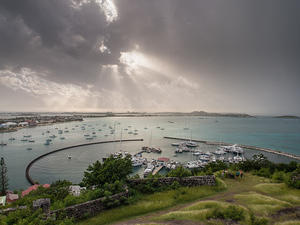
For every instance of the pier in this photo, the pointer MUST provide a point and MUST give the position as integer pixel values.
(289, 155)
(157, 169)
(27, 174)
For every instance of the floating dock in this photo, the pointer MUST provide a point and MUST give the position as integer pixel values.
(289, 155)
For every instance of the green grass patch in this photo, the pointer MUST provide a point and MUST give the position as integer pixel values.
(204, 210)
(206, 205)
(195, 215)
(280, 191)
(261, 204)
(153, 202)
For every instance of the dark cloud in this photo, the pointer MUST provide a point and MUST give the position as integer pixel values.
(238, 51)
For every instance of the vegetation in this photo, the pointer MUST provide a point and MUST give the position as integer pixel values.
(179, 172)
(111, 170)
(27, 217)
(140, 204)
(3, 177)
(251, 200)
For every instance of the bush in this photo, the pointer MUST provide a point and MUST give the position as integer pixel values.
(279, 176)
(257, 221)
(231, 212)
(293, 179)
(179, 172)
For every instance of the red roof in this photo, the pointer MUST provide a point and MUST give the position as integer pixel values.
(33, 188)
(163, 159)
(11, 197)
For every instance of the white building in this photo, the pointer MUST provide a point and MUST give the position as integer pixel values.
(76, 189)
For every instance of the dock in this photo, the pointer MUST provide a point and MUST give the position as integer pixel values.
(157, 169)
(289, 155)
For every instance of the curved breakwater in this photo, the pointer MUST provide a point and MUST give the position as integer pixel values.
(243, 146)
(27, 174)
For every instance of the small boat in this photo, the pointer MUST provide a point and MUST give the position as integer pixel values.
(29, 149)
(11, 139)
(52, 136)
(2, 144)
(191, 144)
(69, 157)
(27, 136)
(31, 141)
(62, 138)
(24, 140)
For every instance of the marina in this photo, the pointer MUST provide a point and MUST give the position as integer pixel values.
(19, 151)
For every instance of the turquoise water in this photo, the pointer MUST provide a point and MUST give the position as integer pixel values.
(278, 134)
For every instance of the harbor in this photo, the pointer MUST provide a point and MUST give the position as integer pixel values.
(21, 147)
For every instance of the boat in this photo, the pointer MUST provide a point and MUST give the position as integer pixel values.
(47, 143)
(148, 170)
(62, 138)
(191, 144)
(2, 144)
(178, 150)
(137, 162)
(197, 152)
(69, 157)
(11, 139)
(52, 136)
(31, 141)
(219, 152)
(60, 132)
(29, 149)
(24, 139)
(27, 136)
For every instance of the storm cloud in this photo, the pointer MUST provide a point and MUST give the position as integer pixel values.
(159, 55)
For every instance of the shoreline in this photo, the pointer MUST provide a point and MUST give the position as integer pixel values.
(289, 155)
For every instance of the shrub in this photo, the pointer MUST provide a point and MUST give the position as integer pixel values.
(179, 172)
(230, 212)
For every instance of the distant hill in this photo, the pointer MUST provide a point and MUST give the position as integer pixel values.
(203, 113)
(288, 117)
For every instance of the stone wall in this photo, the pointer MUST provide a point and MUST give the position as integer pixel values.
(85, 209)
(185, 181)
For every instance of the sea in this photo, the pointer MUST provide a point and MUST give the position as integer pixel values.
(275, 133)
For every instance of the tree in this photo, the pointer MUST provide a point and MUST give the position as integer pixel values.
(180, 171)
(111, 170)
(3, 177)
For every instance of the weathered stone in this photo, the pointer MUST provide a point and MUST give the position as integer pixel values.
(43, 203)
(185, 181)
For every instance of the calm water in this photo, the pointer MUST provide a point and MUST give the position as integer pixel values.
(280, 134)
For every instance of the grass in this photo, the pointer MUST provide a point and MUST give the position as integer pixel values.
(153, 202)
(290, 222)
(280, 191)
(261, 204)
(253, 195)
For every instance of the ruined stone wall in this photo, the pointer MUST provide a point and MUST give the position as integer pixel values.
(184, 181)
(86, 209)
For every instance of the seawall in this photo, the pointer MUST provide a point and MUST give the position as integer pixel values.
(27, 174)
(243, 146)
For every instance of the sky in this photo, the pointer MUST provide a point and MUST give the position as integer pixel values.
(160, 55)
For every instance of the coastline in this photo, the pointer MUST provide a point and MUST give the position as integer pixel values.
(243, 146)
